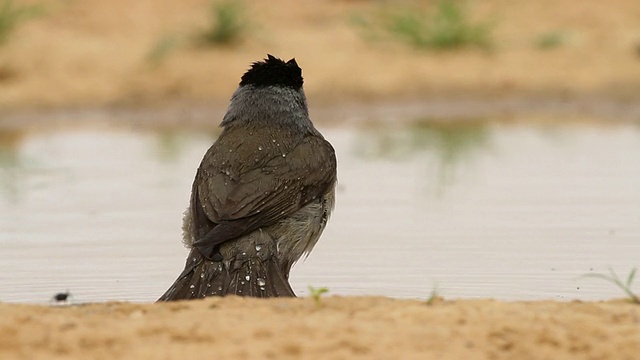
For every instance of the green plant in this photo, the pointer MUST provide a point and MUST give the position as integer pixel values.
(11, 15)
(551, 40)
(448, 27)
(162, 48)
(227, 23)
(316, 293)
(614, 279)
(433, 296)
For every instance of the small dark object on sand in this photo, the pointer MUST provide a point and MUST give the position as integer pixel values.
(60, 297)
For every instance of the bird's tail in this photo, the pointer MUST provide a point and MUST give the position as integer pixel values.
(243, 272)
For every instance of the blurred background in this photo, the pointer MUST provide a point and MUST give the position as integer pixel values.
(486, 148)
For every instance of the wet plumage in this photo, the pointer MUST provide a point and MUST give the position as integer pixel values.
(262, 194)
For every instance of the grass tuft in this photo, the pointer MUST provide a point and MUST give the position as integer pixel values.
(625, 286)
(433, 297)
(227, 23)
(551, 40)
(12, 15)
(447, 27)
(162, 48)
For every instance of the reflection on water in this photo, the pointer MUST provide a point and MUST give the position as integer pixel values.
(15, 167)
(11, 165)
(171, 143)
(519, 212)
(452, 144)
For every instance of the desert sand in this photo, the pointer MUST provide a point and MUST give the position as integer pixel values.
(118, 53)
(333, 328)
(96, 54)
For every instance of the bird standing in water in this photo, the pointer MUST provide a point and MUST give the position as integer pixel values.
(262, 194)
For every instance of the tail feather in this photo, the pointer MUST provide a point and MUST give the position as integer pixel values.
(257, 279)
(246, 273)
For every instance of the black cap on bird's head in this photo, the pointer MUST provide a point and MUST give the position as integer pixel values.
(273, 72)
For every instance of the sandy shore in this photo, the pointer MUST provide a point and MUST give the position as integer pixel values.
(334, 328)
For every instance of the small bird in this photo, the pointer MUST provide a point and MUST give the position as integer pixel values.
(263, 193)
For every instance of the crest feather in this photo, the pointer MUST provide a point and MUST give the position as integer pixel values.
(273, 71)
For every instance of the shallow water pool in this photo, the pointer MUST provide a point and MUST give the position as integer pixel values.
(514, 212)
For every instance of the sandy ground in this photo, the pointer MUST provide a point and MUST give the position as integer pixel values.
(334, 328)
(96, 53)
(92, 53)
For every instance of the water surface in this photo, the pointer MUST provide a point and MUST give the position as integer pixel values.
(516, 212)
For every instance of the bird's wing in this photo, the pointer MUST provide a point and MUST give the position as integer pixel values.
(263, 194)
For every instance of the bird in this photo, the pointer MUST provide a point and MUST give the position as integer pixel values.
(262, 194)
